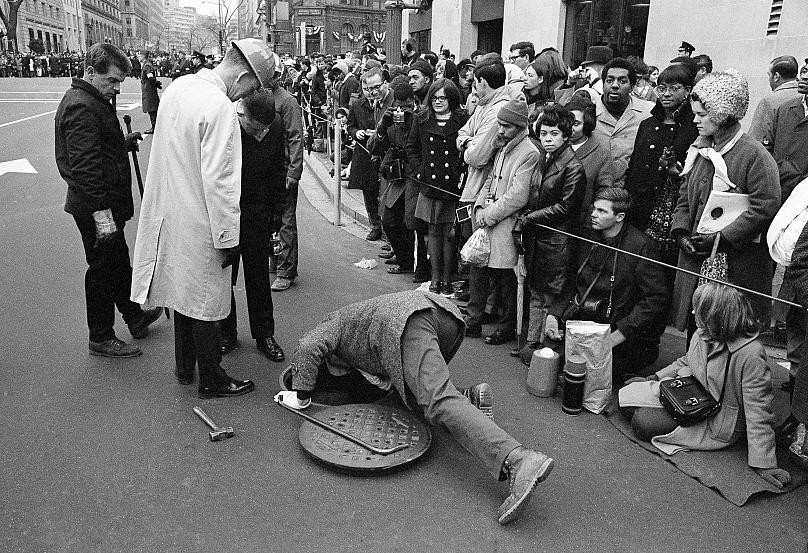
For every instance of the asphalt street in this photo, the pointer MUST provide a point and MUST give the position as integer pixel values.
(104, 455)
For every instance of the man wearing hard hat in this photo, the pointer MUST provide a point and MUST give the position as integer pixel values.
(188, 234)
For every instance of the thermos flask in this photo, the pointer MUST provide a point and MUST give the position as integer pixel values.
(542, 377)
(574, 376)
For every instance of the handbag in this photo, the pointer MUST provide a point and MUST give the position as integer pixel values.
(716, 266)
(687, 401)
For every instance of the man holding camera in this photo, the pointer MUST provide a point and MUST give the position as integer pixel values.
(91, 154)
(624, 291)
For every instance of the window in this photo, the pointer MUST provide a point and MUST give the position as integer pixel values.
(345, 43)
(619, 24)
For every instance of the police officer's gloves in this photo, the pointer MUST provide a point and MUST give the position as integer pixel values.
(290, 399)
(132, 141)
(230, 256)
(105, 227)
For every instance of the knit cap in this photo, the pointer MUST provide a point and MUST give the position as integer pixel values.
(424, 67)
(340, 65)
(723, 95)
(514, 112)
(401, 88)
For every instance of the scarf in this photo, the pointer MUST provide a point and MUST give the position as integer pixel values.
(721, 180)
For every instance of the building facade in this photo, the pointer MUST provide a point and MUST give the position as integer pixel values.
(102, 22)
(335, 26)
(43, 20)
(178, 21)
(744, 35)
(135, 23)
(74, 25)
(156, 40)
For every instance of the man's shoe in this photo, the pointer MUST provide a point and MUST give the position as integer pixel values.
(481, 397)
(140, 329)
(149, 131)
(500, 337)
(392, 260)
(232, 387)
(447, 290)
(282, 283)
(114, 348)
(435, 286)
(227, 344)
(270, 348)
(419, 277)
(386, 254)
(525, 468)
(184, 378)
(373, 235)
(473, 330)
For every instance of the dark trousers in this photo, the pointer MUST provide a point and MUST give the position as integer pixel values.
(255, 231)
(371, 198)
(401, 238)
(197, 343)
(284, 222)
(505, 279)
(107, 282)
(422, 264)
(153, 118)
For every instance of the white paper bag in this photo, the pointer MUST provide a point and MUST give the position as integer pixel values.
(591, 341)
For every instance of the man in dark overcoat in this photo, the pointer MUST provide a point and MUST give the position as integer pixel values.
(91, 154)
(404, 341)
(363, 117)
(798, 271)
(150, 99)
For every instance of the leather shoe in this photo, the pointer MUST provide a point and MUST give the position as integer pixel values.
(386, 254)
(473, 330)
(398, 270)
(373, 235)
(499, 337)
(231, 387)
(391, 260)
(184, 378)
(270, 348)
(140, 329)
(114, 348)
(227, 344)
(282, 283)
(419, 278)
(525, 468)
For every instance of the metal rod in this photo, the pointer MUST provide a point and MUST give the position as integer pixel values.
(343, 434)
(337, 171)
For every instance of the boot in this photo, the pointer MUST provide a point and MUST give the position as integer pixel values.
(525, 468)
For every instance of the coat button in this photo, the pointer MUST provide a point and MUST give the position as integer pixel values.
(446, 165)
(434, 177)
(432, 139)
(656, 128)
(432, 152)
(446, 152)
(431, 164)
(652, 146)
(446, 177)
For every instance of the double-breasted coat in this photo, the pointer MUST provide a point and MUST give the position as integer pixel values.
(754, 172)
(556, 189)
(363, 116)
(508, 188)
(433, 155)
(150, 99)
(190, 210)
(746, 409)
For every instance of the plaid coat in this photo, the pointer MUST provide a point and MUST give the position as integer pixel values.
(366, 336)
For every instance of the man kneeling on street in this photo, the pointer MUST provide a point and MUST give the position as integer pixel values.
(404, 340)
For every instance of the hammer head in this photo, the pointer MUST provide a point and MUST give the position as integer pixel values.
(221, 434)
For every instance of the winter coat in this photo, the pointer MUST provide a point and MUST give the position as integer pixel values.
(754, 172)
(433, 155)
(789, 143)
(91, 154)
(363, 116)
(148, 88)
(597, 162)
(389, 143)
(287, 107)
(190, 210)
(797, 273)
(645, 178)
(746, 410)
(349, 92)
(365, 336)
(508, 185)
(621, 132)
(762, 125)
(556, 189)
(481, 129)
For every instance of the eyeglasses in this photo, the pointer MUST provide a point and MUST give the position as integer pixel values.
(439, 98)
(516, 57)
(375, 88)
(673, 89)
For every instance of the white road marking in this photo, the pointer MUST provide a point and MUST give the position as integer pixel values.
(16, 166)
(27, 118)
(128, 107)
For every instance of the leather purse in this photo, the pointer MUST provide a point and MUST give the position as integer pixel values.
(687, 401)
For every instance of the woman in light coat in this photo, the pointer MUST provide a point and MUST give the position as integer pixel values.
(726, 355)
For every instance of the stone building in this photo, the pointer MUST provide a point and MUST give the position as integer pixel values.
(335, 26)
(74, 25)
(102, 22)
(135, 23)
(43, 20)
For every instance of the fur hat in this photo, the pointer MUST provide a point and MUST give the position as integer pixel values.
(340, 65)
(514, 112)
(724, 95)
(424, 67)
(401, 88)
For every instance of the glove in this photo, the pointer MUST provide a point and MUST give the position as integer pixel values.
(290, 399)
(105, 227)
(686, 244)
(291, 183)
(159, 84)
(132, 140)
(703, 243)
(776, 477)
(387, 119)
(230, 256)
(551, 329)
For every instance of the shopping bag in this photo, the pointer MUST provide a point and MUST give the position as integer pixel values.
(477, 248)
(715, 266)
(591, 341)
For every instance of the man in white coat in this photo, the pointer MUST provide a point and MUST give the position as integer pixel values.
(188, 234)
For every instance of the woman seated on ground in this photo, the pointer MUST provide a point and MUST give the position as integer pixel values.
(725, 346)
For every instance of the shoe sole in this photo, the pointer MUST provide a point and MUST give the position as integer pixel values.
(114, 356)
(485, 402)
(215, 395)
(516, 509)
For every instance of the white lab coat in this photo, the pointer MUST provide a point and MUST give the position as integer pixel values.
(190, 209)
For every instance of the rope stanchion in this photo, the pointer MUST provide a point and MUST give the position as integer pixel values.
(337, 172)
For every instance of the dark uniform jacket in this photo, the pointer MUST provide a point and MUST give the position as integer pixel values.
(556, 190)
(148, 88)
(644, 177)
(363, 116)
(91, 154)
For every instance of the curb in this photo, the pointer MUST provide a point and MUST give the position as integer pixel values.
(323, 180)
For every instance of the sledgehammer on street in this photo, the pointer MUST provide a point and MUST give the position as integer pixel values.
(217, 433)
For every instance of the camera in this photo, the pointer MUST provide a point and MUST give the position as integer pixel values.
(398, 115)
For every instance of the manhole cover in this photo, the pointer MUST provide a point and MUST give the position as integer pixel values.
(378, 425)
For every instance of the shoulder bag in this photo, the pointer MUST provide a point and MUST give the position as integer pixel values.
(687, 401)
